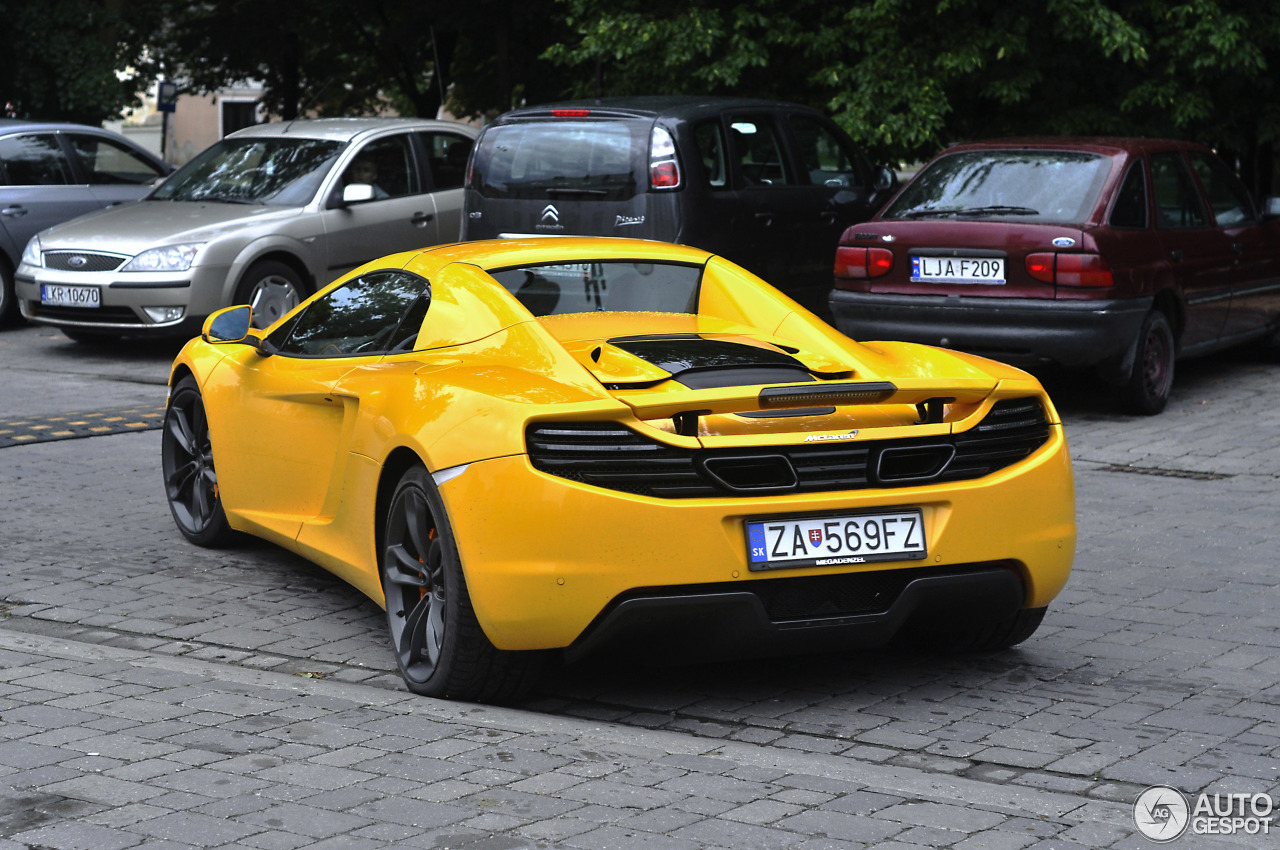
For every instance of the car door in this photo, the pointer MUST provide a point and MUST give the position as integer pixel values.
(115, 173)
(282, 461)
(444, 156)
(836, 180)
(39, 186)
(1200, 254)
(400, 217)
(1255, 274)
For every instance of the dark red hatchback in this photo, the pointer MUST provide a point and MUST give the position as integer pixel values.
(1119, 254)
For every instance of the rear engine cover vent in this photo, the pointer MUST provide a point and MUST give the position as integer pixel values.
(612, 456)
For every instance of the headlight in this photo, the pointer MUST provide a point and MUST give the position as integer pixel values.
(31, 253)
(171, 258)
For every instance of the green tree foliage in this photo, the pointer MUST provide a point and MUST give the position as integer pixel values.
(59, 60)
(335, 57)
(906, 77)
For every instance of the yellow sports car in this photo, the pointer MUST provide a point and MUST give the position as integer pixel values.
(557, 444)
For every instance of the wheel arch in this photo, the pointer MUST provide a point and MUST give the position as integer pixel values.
(401, 460)
(180, 371)
(279, 255)
(1170, 302)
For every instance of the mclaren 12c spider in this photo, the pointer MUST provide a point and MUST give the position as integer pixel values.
(534, 447)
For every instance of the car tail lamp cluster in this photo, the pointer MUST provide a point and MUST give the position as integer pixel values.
(862, 263)
(664, 170)
(1070, 269)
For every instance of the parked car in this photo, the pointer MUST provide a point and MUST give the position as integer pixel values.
(768, 185)
(1116, 254)
(265, 216)
(50, 173)
(540, 445)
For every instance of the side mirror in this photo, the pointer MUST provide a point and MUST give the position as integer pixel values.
(1271, 207)
(230, 324)
(885, 179)
(357, 193)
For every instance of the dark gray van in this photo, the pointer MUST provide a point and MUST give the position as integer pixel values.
(766, 184)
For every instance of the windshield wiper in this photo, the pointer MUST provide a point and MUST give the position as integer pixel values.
(220, 200)
(993, 209)
(574, 190)
(998, 209)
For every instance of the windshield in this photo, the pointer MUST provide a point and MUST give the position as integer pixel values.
(588, 160)
(1013, 185)
(552, 289)
(275, 171)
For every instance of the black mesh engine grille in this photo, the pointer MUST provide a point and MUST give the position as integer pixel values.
(612, 456)
(82, 261)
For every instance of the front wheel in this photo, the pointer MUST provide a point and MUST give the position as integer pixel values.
(272, 289)
(190, 482)
(1147, 390)
(440, 648)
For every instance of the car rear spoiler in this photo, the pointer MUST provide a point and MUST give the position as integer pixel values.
(686, 408)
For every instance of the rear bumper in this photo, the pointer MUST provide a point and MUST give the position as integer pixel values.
(1023, 331)
(565, 562)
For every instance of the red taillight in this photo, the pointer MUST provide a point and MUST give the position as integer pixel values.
(664, 168)
(862, 263)
(1040, 267)
(1083, 270)
(664, 175)
(571, 113)
(1070, 269)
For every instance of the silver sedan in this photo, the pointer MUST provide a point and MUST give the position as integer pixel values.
(263, 217)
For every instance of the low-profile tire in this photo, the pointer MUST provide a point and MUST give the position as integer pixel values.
(272, 289)
(1148, 387)
(190, 482)
(440, 647)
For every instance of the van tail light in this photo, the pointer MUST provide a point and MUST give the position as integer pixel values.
(862, 263)
(664, 169)
(571, 113)
(1070, 269)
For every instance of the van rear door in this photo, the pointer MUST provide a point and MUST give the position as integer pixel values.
(568, 173)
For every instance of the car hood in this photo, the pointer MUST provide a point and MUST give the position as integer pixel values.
(132, 228)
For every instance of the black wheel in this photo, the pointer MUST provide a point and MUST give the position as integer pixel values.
(1147, 390)
(272, 289)
(8, 298)
(440, 648)
(190, 483)
(990, 636)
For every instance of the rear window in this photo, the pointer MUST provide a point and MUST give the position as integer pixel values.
(548, 160)
(1017, 185)
(617, 285)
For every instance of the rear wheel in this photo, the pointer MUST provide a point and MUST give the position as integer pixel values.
(190, 482)
(440, 648)
(1147, 390)
(272, 289)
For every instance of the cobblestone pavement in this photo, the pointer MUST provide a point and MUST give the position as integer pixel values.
(153, 694)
